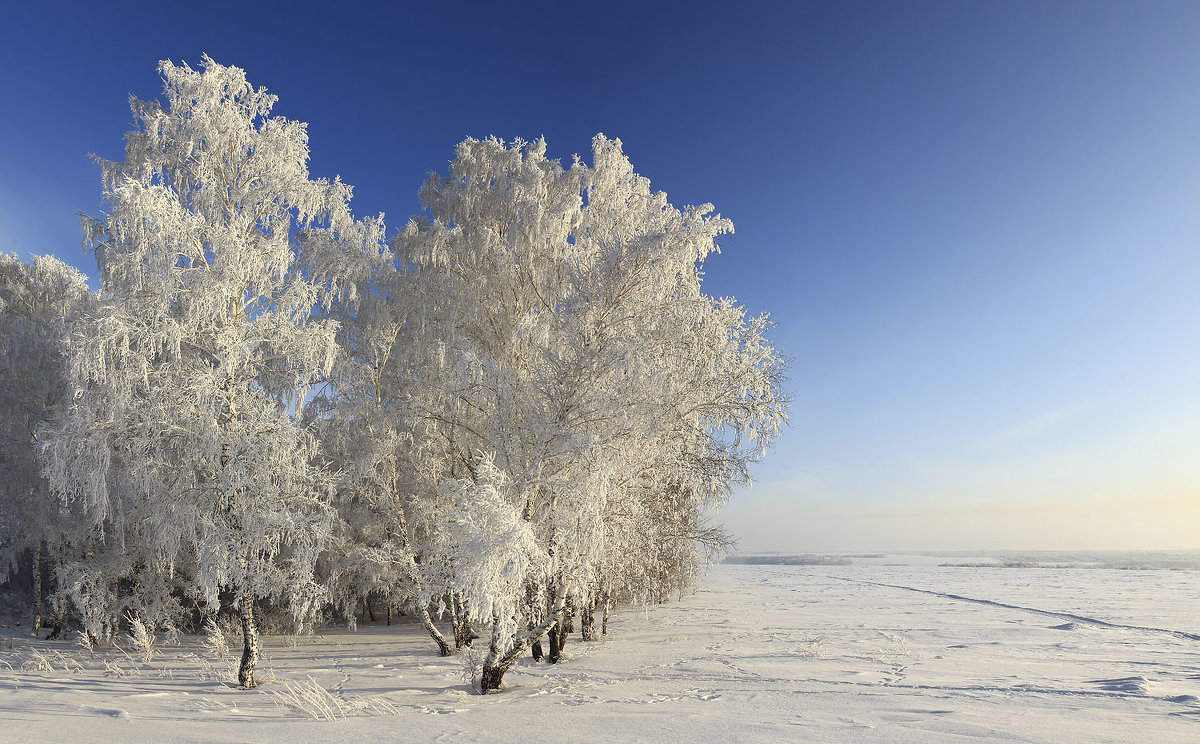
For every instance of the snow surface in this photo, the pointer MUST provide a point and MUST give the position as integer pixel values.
(868, 652)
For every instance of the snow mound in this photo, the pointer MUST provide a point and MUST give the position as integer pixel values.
(1136, 685)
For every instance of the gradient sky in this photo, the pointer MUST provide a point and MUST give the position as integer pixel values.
(975, 223)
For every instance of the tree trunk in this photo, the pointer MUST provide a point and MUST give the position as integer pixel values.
(560, 630)
(495, 663)
(434, 633)
(389, 612)
(555, 643)
(111, 625)
(249, 640)
(564, 629)
(37, 589)
(587, 620)
(535, 648)
(553, 635)
(114, 620)
(462, 621)
(604, 619)
(413, 575)
(491, 679)
(60, 605)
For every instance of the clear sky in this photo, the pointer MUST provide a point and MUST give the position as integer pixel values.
(975, 223)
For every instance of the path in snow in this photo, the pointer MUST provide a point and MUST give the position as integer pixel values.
(1052, 613)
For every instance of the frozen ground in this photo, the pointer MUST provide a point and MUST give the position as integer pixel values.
(869, 652)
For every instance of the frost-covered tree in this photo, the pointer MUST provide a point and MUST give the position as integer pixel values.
(584, 378)
(37, 302)
(490, 264)
(381, 450)
(191, 379)
(520, 411)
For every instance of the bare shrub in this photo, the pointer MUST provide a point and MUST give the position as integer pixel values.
(144, 644)
(311, 699)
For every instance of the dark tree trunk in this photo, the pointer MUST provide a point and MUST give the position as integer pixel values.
(558, 633)
(61, 607)
(587, 620)
(37, 589)
(491, 679)
(114, 620)
(389, 613)
(249, 641)
(604, 618)
(535, 649)
(555, 644)
(495, 664)
(462, 632)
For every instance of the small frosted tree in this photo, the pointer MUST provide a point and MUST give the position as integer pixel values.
(191, 380)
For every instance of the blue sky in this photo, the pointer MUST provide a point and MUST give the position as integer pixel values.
(975, 223)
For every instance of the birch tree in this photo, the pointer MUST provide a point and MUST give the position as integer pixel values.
(383, 451)
(585, 374)
(528, 404)
(191, 380)
(37, 302)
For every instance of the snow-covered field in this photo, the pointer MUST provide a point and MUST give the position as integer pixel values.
(865, 652)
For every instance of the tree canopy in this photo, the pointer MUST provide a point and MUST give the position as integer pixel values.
(520, 409)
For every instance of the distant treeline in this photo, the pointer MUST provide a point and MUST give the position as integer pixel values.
(1151, 566)
(1126, 560)
(789, 560)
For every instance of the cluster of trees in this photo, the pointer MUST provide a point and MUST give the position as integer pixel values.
(516, 411)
